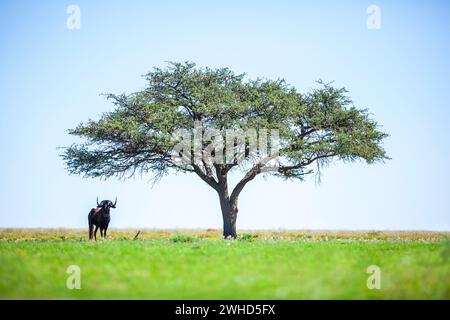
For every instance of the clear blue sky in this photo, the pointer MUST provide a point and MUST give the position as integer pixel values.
(51, 78)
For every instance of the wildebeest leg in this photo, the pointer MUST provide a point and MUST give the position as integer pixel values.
(101, 233)
(104, 232)
(91, 230)
(95, 233)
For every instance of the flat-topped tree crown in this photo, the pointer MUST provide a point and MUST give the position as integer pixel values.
(212, 121)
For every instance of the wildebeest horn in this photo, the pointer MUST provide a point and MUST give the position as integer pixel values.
(97, 202)
(115, 202)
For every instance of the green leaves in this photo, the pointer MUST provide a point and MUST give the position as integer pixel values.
(319, 126)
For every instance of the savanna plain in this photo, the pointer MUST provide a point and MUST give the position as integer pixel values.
(198, 264)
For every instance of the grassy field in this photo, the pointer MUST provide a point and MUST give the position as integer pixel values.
(171, 264)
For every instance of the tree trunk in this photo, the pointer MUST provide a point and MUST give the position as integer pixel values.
(229, 215)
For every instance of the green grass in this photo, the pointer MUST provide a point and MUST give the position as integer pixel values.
(197, 265)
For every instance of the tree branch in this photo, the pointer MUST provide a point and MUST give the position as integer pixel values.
(285, 169)
(250, 175)
(209, 180)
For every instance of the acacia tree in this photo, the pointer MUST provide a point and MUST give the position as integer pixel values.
(138, 136)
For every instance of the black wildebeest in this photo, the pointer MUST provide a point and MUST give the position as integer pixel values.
(99, 217)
